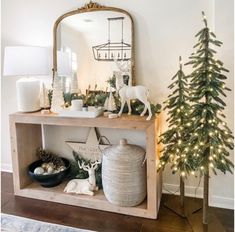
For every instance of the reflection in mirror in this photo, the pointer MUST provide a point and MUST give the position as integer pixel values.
(92, 41)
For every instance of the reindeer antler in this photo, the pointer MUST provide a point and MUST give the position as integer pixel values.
(95, 164)
(83, 166)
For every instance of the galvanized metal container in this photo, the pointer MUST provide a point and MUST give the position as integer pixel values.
(124, 174)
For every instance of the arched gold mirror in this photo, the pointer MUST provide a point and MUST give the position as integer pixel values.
(93, 38)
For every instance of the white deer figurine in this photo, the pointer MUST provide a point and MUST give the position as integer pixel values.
(84, 186)
(127, 93)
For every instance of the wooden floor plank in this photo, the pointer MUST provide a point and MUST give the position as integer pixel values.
(98, 220)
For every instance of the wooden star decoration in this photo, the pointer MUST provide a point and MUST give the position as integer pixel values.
(91, 150)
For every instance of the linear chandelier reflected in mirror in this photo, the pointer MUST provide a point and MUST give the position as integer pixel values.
(113, 50)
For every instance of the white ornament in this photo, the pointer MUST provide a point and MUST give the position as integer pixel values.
(127, 93)
(84, 186)
(50, 170)
(38, 171)
(57, 96)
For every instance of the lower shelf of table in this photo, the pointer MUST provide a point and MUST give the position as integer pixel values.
(98, 201)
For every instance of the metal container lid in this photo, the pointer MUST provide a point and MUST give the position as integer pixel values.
(124, 151)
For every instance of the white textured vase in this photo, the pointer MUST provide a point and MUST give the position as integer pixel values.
(124, 174)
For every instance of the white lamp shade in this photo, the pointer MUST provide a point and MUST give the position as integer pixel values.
(64, 66)
(26, 60)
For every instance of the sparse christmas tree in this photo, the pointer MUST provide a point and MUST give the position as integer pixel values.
(211, 139)
(44, 98)
(57, 101)
(177, 135)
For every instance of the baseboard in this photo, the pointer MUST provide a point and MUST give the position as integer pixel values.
(222, 202)
(6, 168)
(191, 191)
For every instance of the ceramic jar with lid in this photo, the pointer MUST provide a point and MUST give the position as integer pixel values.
(124, 174)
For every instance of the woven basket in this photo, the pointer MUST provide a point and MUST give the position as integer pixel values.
(124, 174)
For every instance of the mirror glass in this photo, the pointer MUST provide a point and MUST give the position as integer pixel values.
(91, 41)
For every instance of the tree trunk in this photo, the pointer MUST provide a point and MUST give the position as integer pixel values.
(182, 192)
(205, 196)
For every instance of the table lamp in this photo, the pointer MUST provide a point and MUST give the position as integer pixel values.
(27, 61)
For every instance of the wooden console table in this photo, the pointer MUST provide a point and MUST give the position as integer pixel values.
(26, 137)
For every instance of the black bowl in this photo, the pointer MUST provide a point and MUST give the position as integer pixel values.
(50, 180)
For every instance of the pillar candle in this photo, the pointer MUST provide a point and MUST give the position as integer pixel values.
(28, 94)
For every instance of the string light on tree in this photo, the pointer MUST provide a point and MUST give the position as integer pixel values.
(176, 136)
(207, 78)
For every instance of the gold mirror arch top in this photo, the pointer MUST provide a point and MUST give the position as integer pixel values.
(91, 7)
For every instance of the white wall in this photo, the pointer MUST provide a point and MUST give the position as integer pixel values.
(164, 29)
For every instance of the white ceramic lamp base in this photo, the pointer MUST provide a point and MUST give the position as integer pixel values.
(28, 94)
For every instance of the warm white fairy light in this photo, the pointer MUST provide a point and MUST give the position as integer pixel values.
(211, 147)
(188, 124)
(202, 168)
(171, 156)
(220, 146)
(178, 110)
(210, 158)
(186, 149)
(177, 150)
(226, 132)
(175, 162)
(179, 142)
(214, 156)
(201, 143)
(223, 161)
(210, 121)
(193, 173)
(223, 86)
(159, 165)
(223, 123)
(211, 165)
(219, 150)
(197, 155)
(216, 131)
(183, 174)
(193, 118)
(211, 133)
(196, 147)
(181, 107)
(229, 140)
(185, 160)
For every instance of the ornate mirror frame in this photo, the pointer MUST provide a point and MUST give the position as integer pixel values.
(90, 7)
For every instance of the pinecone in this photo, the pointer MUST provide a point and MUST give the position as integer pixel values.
(48, 157)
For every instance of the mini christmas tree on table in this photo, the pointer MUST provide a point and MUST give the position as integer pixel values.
(211, 138)
(57, 101)
(174, 139)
